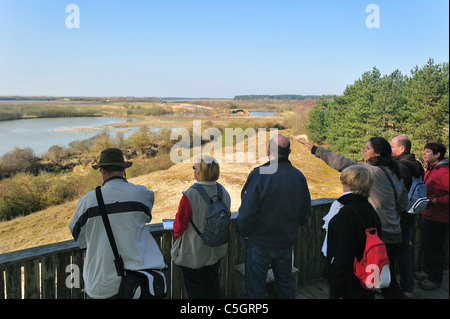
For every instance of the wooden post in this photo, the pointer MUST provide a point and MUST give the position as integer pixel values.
(31, 274)
(48, 277)
(167, 242)
(62, 291)
(13, 275)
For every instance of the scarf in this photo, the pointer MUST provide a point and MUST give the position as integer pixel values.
(334, 209)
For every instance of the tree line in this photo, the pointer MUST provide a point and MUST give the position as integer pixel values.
(280, 97)
(386, 106)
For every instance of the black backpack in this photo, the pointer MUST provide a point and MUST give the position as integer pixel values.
(217, 229)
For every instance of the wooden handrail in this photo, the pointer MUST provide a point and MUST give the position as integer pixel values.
(55, 270)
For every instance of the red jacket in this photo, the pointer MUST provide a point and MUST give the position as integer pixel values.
(182, 218)
(436, 180)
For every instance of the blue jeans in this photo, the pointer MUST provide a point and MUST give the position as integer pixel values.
(433, 235)
(257, 262)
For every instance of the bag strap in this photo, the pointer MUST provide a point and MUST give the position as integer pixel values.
(205, 195)
(202, 192)
(118, 262)
(390, 181)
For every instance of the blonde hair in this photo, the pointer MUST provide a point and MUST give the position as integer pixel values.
(208, 168)
(359, 178)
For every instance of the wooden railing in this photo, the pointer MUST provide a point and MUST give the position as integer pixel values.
(55, 270)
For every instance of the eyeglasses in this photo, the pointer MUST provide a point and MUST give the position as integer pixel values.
(194, 168)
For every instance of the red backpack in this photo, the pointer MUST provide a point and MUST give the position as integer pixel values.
(373, 269)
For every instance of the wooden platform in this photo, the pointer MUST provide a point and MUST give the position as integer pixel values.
(318, 289)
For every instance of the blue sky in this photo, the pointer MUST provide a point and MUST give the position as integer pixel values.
(212, 48)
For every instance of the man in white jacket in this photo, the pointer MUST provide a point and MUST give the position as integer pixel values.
(129, 210)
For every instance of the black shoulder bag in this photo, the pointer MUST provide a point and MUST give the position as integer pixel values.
(135, 284)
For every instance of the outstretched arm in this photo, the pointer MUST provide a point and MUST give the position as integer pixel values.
(332, 159)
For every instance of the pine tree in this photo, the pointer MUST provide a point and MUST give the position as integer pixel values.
(427, 106)
(385, 106)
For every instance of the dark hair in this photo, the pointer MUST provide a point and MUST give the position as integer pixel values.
(382, 147)
(437, 147)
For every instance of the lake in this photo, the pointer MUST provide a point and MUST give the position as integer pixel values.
(40, 136)
(259, 113)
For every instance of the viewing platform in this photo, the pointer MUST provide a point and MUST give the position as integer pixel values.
(54, 271)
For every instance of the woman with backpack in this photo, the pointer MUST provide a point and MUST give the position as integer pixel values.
(346, 224)
(199, 261)
(388, 195)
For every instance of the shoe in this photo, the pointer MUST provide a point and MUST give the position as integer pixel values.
(428, 285)
(420, 275)
(408, 295)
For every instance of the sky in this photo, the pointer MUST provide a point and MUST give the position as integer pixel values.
(212, 48)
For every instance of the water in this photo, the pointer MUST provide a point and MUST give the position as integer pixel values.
(38, 134)
(262, 113)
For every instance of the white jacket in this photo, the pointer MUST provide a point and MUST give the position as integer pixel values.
(129, 209)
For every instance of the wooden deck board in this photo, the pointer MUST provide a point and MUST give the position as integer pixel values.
(318, 289)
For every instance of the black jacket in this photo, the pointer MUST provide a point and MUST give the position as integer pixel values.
(409, 167)
(346, 240)
(273, 206)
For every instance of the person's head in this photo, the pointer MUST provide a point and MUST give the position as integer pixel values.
(206, 169)
(378, 153)
(279, 147)
(434, 152)
(377, 147)
(112, 163)
(358, 179)
(400, 145)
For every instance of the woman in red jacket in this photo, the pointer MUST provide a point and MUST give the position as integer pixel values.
(434, 224)
(200, 263)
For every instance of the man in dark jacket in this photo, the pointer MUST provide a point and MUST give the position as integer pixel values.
(409, 167)
(273, 206)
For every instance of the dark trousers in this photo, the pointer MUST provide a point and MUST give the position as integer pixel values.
(393, 291)
(405, 262)
(433, 237)
(202, 283)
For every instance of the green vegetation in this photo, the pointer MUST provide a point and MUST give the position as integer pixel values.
(385, 106)
(29, 183)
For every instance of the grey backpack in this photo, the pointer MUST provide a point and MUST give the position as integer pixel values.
(417, 196)
(217, 229)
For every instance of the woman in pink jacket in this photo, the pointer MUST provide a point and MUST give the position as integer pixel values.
(434, 223)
